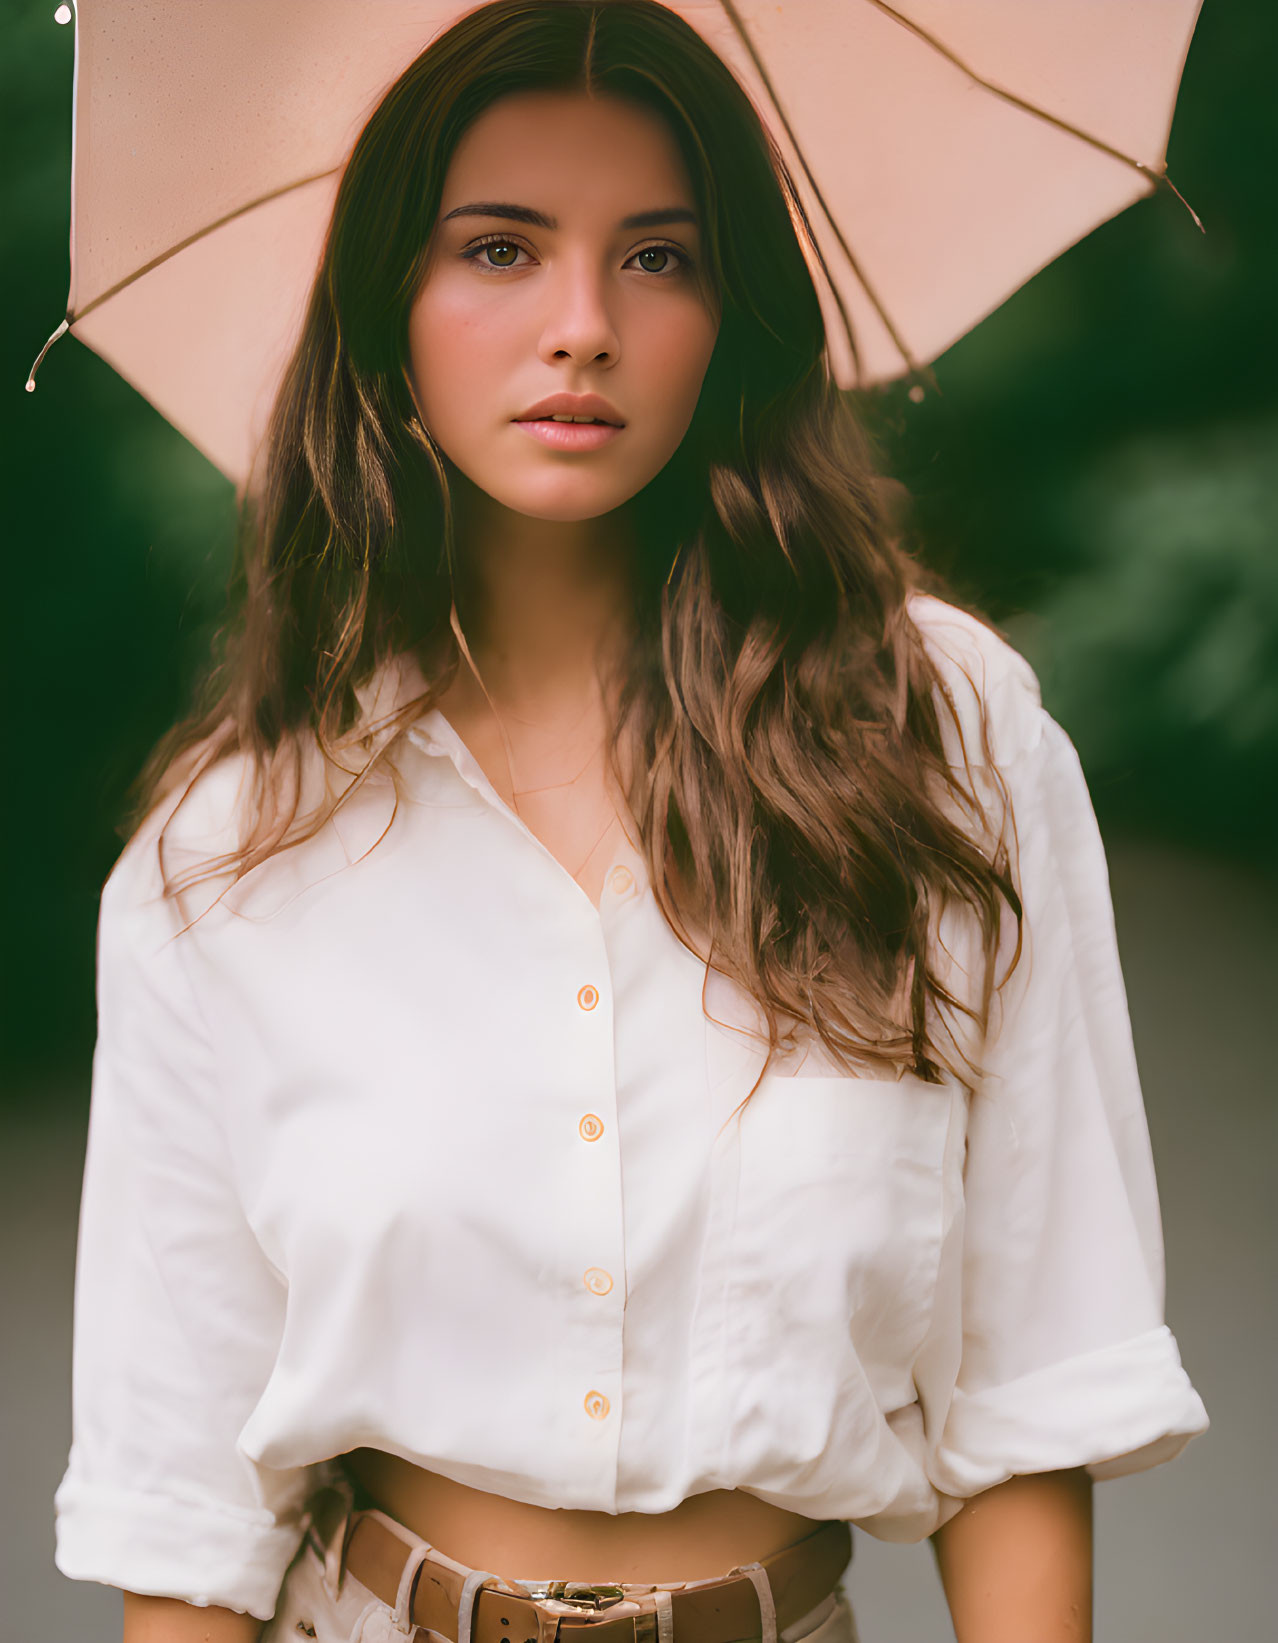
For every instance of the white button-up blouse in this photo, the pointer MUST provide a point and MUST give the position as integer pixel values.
(414, 1147)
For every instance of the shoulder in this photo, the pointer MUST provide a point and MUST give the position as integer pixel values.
(300, 816)
(193, 823)
(992, 690)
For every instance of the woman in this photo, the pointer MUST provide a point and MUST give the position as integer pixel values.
(612, 1060)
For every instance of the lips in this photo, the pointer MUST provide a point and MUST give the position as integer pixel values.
(568, 436)
(574, 405)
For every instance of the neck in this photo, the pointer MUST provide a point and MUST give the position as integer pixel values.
(543, 603)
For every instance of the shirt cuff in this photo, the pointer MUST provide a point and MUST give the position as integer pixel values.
(204, 1554)
(1116, 1410)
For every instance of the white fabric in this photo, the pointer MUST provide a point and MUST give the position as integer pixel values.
(341, 1189)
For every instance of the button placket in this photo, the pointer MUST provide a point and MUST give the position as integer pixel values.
(594, 1231)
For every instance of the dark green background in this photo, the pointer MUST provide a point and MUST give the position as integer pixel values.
(1100, 473)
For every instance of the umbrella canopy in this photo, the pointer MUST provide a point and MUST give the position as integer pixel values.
(944, 154)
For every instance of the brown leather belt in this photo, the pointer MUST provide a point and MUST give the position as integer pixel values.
(720, 1611)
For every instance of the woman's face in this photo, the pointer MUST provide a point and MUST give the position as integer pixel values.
(543, 280)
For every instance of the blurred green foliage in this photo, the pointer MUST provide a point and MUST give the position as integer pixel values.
(1161, 652)
(1099, 472)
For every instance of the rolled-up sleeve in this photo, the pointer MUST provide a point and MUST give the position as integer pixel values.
(1065, 1358)
(178, 1314)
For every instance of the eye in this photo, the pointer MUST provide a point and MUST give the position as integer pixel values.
(502, 253)
(682, 260)
(506, 251)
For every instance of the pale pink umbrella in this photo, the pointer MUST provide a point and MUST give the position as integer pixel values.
(945, 153)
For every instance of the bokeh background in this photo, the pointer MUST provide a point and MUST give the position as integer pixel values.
(1099, 473)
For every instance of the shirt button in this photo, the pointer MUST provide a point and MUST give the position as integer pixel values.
(597, 1281)
(588, 997)
(597, 1406)
(620, 881)
(590, 1127)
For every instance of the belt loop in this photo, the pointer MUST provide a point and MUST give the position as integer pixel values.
(408, 1586)
(466, 1602)
(665, 1616)
(758, 1576)
(547, 1624)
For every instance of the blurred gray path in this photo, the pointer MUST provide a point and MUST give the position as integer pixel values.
(1183, 1552)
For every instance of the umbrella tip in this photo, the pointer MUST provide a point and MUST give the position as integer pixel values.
(60, 332)
(1161, 179)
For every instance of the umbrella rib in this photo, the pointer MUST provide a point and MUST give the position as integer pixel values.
(734, 17)
(209, 228)
(1026, 107)
(129, 279)
(1156, 178)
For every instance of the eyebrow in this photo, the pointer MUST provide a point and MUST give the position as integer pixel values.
(525, 213)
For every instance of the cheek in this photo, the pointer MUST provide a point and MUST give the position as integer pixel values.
(675, 362)
(453, 345)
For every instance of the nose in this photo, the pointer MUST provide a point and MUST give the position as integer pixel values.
(579, 323)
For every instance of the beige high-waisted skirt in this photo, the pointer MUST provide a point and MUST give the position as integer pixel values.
(311, 1605)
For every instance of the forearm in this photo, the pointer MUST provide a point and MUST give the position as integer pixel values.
(1016, 1561)
(169, 1620)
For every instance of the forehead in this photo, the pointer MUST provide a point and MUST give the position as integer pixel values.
(560, 150)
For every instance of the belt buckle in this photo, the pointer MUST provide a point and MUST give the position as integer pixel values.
(588, 1595)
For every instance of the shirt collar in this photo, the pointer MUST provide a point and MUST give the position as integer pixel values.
(390, 687)
(399, 681)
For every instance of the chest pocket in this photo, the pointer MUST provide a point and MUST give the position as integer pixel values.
(839, 1217)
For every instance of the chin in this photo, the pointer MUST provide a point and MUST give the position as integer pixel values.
(570, 515)
(566, 504)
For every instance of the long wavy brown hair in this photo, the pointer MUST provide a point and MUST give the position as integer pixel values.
(802, 826)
